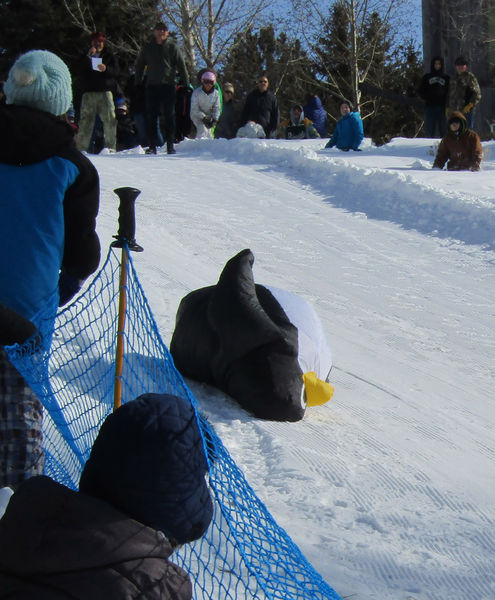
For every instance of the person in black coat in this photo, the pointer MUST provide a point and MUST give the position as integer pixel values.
(434, 90)
(227, 123)
(142, 492)
(261, 107)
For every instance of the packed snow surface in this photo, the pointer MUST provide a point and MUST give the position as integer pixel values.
(389, 489)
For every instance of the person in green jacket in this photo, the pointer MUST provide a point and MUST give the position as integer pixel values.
(162, 60)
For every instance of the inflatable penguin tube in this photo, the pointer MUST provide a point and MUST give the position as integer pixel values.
(263, 346)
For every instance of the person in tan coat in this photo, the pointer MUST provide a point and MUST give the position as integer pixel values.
(460, 148)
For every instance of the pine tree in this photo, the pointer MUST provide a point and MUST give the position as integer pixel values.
(402, 114)
(332, 58)
(64, 28)
(289, 69)
(358, 61)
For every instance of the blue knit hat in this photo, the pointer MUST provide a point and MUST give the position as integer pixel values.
(40, 79)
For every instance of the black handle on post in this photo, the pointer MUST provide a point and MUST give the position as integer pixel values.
(127, 219)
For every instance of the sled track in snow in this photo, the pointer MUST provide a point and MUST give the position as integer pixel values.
(457, 554)
(402, 199)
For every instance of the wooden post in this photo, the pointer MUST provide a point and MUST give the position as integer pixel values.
(119, 353)
(125, 240)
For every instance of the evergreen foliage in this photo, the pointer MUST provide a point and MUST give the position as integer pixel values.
(389, 75)
(290, 71)
(398, 115)
(34, 25)
(48, 25)
(332, 58)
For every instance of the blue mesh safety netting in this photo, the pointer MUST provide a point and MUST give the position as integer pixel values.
(244, 553)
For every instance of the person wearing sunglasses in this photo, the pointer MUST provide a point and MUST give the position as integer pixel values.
(261, 107)
(205, 106)
(227, 123)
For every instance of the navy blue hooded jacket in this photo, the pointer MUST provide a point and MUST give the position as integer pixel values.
(314, 110)
(48, 209)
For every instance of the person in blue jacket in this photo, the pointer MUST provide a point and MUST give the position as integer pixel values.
(49, 245)
(348, 133)
(314, 111)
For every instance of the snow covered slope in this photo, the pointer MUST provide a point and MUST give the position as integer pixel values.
(389, 489)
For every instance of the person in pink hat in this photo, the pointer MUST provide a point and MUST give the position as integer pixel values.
(205, 106)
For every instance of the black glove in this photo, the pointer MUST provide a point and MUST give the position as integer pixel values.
(14, 328)
(207, 122)
(68, 286)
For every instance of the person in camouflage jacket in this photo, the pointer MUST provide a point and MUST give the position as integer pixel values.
(464, 91)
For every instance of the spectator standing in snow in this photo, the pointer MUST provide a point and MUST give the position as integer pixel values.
(183, 124)
(348, 133)
(297, 126)
(314, 111)
(205, 106)
(97, 69)
(227, 123)
(49, 245)
(464, 91)
(261, 107)
(434, 89)
(460, 148)
(137, 110)
(142, 493)
(162, 60)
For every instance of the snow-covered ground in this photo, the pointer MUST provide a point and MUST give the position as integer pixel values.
(389, 489)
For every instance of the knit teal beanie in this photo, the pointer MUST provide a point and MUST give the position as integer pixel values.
(40, 79)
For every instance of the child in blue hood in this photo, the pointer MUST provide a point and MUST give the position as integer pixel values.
(348, 133)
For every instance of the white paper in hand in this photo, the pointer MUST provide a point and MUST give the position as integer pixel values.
(95, 62)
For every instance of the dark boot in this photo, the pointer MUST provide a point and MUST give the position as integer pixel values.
(170, 148)
(150, 150)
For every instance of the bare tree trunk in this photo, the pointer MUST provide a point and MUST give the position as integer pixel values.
(354, 54)
(362, 55)
(208, 27)
(186, 29)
